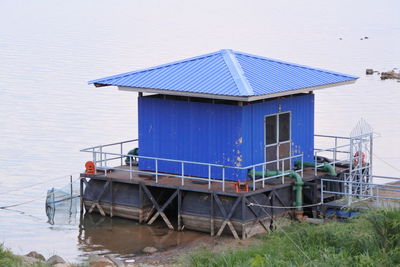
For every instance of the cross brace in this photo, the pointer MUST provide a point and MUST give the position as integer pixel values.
(96, 202)
(227, 217)
(160, 210)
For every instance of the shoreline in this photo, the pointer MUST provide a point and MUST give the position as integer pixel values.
(168, 257)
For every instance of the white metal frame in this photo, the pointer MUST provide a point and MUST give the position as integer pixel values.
(375, 190)
(102, 158)
(278, 143)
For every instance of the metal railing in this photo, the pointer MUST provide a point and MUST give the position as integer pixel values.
(346, 151)
(354, 191)
(102, 158)
(340, 152)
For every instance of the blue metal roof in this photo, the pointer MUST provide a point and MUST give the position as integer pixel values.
(227, 73)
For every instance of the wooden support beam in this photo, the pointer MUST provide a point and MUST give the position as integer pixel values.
(140, 198)
(212, 214)
(227, 218)
(243, 217)
(150, 213)
(160, 210)
(278, 197)
(96, 202)
(179, 209)
(111, 200)
(257, 214)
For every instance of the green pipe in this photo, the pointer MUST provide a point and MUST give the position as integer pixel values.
(298, 183)
(326, 167)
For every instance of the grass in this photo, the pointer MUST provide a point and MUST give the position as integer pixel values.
(7, 258)
(372, 239)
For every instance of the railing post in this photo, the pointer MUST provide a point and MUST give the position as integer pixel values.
(335, 153)
(283, 171)
(183, 172)
(121, 151)
(315, 163)
(371, 146)
(130, 167)
(377, 196)
(101, 156)
(322, 191)
(302, 164)
(156, 170)
(263, 176)
(254, 178)
(105, 164)
(209, 177)
(223, 179)
(94, 161)
(349, 200)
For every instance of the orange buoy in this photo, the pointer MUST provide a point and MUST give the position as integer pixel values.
(90, 168)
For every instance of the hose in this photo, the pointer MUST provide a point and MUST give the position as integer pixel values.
(298, 183)
(326, 167)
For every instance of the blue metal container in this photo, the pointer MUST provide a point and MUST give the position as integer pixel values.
(230, 135)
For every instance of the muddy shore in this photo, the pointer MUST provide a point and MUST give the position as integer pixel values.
(171, 256)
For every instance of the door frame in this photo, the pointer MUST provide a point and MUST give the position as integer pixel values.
(277, 144)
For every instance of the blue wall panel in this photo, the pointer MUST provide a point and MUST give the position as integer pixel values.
(190, 131)
(302, 125)
(216, 133)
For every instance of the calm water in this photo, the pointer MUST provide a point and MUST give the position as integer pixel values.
(50, 49)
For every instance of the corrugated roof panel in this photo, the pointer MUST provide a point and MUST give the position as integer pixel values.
(190, 76)
(268, 76)
(229, 73)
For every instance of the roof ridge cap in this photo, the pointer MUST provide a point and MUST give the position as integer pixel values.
(237, 73)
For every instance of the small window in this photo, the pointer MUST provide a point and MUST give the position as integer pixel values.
(270, 130)
(284, 127)
(271, 153)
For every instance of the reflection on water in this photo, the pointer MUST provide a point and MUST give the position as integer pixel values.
(105, 235)
(126, 238)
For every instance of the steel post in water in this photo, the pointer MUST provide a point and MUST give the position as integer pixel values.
(70, 180)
